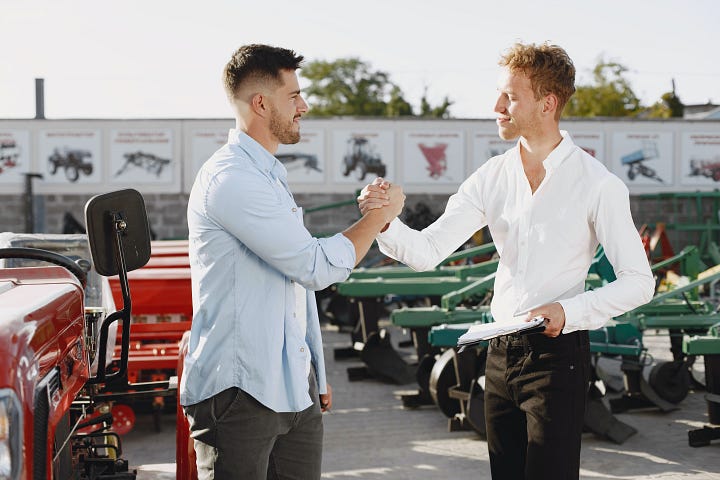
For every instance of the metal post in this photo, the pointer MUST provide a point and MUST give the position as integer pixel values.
(40, 98)
(29, 202)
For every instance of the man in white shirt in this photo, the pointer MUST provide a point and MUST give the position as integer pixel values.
(548, 204)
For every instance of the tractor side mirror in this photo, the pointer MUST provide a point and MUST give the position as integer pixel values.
(119, 239)
(117, 213)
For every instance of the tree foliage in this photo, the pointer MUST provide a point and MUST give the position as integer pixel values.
(669, 106)
(349, 86)
(439, 111)
(609, 95)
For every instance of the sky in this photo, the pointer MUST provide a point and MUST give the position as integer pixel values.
(163, 59)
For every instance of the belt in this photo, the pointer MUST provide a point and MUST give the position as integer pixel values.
(539, 341)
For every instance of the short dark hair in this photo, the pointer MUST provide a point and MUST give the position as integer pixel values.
(548, 67)
(258, 62)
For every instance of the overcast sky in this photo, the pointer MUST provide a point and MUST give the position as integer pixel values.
(163, 59)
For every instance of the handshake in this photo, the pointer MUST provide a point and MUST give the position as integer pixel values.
(383, 197)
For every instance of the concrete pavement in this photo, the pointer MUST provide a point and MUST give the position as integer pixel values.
(368, 435)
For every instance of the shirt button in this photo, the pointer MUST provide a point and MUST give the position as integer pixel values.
(302, 349)
(294, 209)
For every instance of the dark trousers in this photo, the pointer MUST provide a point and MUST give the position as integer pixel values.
(236, 437)
(535, 393)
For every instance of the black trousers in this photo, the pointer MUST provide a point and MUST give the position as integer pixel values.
(535, 394)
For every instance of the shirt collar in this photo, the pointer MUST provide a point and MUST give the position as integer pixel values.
(263, 159)
(560, 153)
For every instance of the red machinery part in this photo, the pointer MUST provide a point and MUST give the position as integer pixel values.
(123, 418)
(185, 467)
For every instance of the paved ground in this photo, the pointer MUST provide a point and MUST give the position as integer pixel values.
(370, 436)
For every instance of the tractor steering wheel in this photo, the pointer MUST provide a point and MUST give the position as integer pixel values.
(46, 256)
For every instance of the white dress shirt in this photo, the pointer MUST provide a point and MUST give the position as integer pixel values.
(546, 240)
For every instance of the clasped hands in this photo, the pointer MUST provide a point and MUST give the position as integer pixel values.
(382, 195)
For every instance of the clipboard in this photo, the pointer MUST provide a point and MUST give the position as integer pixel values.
(486, 331)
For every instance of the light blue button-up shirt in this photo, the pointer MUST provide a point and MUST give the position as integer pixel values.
(247, 246)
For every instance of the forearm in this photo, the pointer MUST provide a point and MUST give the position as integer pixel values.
(363, 232)
(592, 309)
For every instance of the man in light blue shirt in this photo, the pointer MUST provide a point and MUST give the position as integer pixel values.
(254, 382)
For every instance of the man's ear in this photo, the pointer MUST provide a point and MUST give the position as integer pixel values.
(259, 104)
(550, 104)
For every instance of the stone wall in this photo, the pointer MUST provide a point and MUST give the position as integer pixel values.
(166, 212)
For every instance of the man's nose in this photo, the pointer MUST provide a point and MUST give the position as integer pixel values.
(303, 106)
(499, 105)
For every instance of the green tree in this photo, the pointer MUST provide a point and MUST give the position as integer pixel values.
(440, 111)
(669, 106)
(349, 86)
(609, 95)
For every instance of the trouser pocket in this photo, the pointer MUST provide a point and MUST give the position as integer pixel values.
(203, 416)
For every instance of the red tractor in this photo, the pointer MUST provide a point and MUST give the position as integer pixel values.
(57, 384)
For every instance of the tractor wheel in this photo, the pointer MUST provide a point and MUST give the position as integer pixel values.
(362, 171)
(423, 372)
(72, 173)
(52, 165)
(648, 172)
(670, 380)
(442, 377)
(631, 174)
(349, 166)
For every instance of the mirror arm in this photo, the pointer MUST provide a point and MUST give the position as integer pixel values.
(119, 226)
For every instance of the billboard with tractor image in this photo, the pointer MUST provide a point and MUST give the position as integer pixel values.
(643, 158)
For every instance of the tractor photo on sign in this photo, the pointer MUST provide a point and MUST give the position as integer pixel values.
(72, 160)
(709, 168)
(361, 156)
(9, 154)
(635, 161)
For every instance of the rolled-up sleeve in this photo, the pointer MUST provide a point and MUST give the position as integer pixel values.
(247, 205)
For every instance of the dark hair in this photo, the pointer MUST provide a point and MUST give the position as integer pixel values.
(258, 62)
(548, 67)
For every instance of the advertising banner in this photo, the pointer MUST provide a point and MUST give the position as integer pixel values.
(142, 157)
(434, 157)
(700, 158)
(487, 145)
(203, 143)
(360, 155)
(643, 158)
(592, 142)
(305, 160)
(70, 156)
(14, 156)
